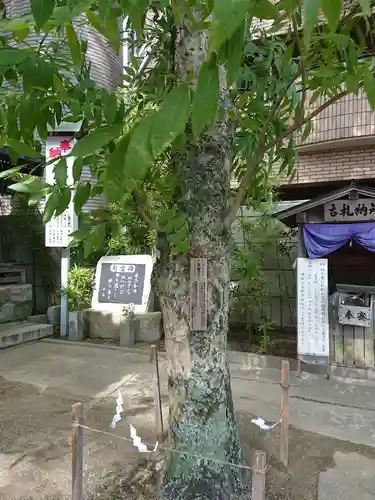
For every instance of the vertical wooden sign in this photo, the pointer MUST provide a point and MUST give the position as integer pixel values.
(198, 294)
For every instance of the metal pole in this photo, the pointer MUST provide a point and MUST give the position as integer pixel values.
(64, 313)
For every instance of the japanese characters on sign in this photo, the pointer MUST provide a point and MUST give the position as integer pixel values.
(122, 283)
(312, 307)
(355, 315)
(59, 228)
(350, 210)
(122, 280)
(198, 294)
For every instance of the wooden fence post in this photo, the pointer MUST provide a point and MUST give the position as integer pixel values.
(77, 452)
(284, 425)
(259, 476)
(154, 360)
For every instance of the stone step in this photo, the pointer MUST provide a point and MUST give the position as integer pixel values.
(23, 331)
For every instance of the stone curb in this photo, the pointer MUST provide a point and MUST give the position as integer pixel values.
(246, 359)
(131, 350)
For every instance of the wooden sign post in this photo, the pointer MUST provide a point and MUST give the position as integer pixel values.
(77, 452)
(154, 360)
(284, 425)
(259, 476)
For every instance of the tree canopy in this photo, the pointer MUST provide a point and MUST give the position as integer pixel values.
(279, 59)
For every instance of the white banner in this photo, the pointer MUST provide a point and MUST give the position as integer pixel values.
(312, 307)
(58, 229)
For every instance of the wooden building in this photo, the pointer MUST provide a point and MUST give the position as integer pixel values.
(339, 229)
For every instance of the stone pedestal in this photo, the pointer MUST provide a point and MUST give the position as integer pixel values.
(16, 302)
(76, 326)
(129, 329)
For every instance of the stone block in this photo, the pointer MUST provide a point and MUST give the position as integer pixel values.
(114, 325)
(19, 333)
(127, 331)
(101, 324)
(147, 327)
(53, 315)
(38, 318)
(76, 326)
(15, 302)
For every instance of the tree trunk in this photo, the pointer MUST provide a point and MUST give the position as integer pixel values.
(201, 418)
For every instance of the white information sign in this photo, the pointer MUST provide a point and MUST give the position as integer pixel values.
(350, 210)
(312, 307)
(355, 315)
(123, 281)
(58, 229)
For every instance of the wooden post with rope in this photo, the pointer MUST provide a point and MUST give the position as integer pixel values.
(284, 415)
(77, 452)
(154, 360)
(259, 476)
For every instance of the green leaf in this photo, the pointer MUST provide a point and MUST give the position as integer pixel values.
(369, 86)
(61, 172)
(311, 10)
(110, 106)
(50, 206)
(107, 27)
(31, 185)
(63, 199)
(263, 9)
(227, 17)
(81, 196)
(74, 46)
(9, 172)
(94, 240)
(234, 53)
(366, 7)
(332, 11)
(78, 236)
(138, 156)
(93, 142)
(77, 169)
(11, 57)
(22, 148)
(170, 120)
(206, 98)
(42, 11)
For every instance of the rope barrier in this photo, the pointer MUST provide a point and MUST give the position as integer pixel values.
(172, 450)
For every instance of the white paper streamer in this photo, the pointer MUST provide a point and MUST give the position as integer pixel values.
(119, 410)
(137, 442)
(262, 424)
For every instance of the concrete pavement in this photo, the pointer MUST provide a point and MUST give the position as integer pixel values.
(332, 433)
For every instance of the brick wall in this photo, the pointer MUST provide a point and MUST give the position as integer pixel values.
(335, 165)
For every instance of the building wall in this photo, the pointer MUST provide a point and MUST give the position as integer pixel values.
(335, 164)
(106, 65)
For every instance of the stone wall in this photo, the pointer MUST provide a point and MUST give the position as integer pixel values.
(16, 302)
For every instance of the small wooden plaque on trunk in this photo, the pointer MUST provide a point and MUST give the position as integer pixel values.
(198, 294)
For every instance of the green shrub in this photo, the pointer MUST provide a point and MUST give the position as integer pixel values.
(80, 288)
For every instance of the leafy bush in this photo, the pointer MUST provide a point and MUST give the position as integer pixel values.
(80, 288)
(261, 234)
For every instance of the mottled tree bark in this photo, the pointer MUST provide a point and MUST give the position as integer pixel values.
(201, 419)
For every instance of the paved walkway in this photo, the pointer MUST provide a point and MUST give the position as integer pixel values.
(333, 422)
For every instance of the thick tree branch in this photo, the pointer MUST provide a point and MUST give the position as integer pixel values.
(258, 153)
(302, 66)
(263, 148)
(298, 123)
